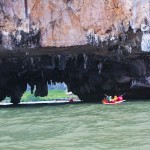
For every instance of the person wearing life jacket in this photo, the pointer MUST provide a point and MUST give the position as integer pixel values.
(115, 98)
(104, 100)
(120, 98)
(109, 98)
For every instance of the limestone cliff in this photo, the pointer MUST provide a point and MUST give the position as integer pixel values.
(62, 23)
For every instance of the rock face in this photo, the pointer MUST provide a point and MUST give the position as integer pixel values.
(104, 40)
(63, 23)
(88, 76)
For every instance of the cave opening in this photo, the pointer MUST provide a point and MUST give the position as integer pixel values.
(57, 92)
(88, 76)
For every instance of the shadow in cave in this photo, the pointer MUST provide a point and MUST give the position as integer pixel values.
(88, 76)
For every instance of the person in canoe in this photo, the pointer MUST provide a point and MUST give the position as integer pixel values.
(115, 98)
(120, 98)
(109, 98)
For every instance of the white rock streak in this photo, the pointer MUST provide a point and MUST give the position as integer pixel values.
(145, 44)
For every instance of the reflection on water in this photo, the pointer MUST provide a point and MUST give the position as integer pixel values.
(76, 127)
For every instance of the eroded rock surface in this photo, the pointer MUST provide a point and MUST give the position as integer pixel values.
(88, 76)
(63, 23)
(94, 46)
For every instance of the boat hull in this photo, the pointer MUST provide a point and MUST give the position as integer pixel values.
(112, 103)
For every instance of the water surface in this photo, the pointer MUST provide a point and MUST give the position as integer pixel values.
(76, 127)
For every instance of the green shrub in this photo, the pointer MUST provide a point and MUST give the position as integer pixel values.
(52, 94)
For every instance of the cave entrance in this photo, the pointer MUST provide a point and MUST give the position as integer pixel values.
(56, 92)
(81, 73)
(87, 76)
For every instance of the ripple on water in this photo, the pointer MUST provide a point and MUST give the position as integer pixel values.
(76, 127)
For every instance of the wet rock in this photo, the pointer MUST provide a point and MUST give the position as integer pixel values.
(137, 67)
(90, 84)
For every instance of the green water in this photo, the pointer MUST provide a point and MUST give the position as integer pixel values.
(76, 127)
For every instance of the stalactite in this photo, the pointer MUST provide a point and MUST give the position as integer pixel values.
(90, 83)
(85, 61)
(62, 62)
(26, 8)
(99, 66)
(145, 28)
(93, 38)
(134, 15)
(1, 36)
(6, 39)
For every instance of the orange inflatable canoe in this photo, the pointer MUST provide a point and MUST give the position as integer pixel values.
(112, 102)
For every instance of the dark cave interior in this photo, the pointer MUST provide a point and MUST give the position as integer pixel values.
(88, 76)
